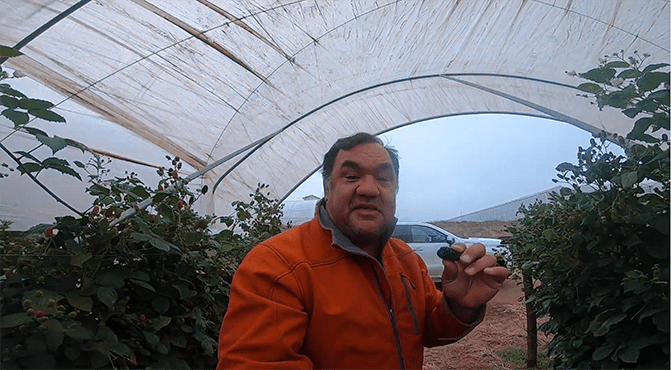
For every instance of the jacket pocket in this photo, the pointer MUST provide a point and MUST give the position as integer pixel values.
(407, 284)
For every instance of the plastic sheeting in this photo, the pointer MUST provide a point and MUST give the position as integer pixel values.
(202, 79)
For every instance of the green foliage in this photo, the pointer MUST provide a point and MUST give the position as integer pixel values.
(149, 292)
(635, 88)
(21, 109)
(599, 250)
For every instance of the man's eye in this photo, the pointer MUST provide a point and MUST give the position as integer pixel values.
(351, 177)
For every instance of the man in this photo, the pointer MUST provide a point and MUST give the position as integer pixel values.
(337, 292)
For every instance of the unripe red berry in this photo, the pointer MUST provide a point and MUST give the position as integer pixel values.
(40, 313)
(95, 210)
(51, 232)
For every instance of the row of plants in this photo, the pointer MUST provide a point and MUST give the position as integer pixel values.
(89, 291)
(596, 256)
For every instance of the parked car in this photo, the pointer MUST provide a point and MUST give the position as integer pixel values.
(425, 239)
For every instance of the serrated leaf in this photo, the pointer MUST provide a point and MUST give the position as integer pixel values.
(6, 89)
(14, 320)
(30, 103)
(29, 167)
(65, 170)
(46, 115)
(54, 143)
(18, 118)
(79, 302)
(590, 87)
(22, 154)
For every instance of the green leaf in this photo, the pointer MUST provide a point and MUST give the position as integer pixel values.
(112, 278)
(629, 179)
(9, 52)
(603, 352)
(22, 154)
(79, 302)
(590, 87)
(107, 295)
(29, 103)
(632, 112)
(152, 338)
(140, 191)
(14, 320)
(154, 241)
(183, 288)
(29, 168)
(67, 170)
(161, 322)
(46, 115)
(122, 349)
(9, 101)
(72, 353)
(79, 164)
(55, 143)
(139, 275)
(630, 73)
(628, 355)
(54, 334)
(105, 334)
(661, 96)
(80, 258)
(661, 321)
(143, 284)
(6, 89)
(654, 66)
(19, 118)
(178, 339)
(617, 64)
(600, 75)
(160, 304)
(652, 80)
(159, 197)
(80, 333)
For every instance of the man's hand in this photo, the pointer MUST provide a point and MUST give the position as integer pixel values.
(472, 281)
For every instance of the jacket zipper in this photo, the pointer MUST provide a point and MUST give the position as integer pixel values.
(392, 318)
(406, 280)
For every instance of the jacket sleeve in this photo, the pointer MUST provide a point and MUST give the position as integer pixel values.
(265, 324)
(442, 326)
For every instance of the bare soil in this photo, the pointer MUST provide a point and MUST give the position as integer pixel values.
(503, 328)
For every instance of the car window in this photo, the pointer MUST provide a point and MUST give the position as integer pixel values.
(403, 232)
(423, 234)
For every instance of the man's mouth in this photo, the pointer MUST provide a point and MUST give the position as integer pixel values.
(366, 207)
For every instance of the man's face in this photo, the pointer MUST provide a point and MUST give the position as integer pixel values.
(361, 195)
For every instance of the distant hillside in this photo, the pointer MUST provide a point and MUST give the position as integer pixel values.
(485, 229)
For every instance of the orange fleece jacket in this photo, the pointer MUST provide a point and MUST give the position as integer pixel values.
(308, 298)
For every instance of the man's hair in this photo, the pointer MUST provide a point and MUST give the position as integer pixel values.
(348, 143)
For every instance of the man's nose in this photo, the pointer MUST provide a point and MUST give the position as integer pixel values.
(368, 187)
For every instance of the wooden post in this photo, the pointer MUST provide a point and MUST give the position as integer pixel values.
(532, 330)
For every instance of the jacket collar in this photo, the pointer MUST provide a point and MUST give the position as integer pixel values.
(339, 239)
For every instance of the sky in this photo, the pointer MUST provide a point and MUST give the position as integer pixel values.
(454, 166)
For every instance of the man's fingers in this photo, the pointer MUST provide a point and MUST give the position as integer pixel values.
(480, 264)
(473, 253)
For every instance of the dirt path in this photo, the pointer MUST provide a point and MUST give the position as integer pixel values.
(504, 327)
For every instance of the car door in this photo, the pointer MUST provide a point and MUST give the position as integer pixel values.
(425, 242)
